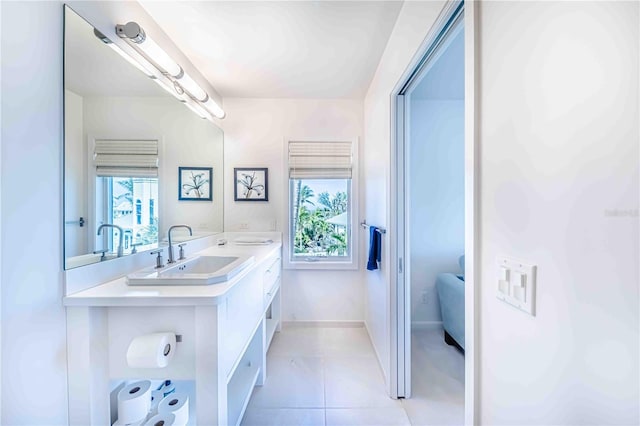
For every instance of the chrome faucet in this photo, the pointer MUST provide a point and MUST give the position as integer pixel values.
(171, 259)
(108, 225)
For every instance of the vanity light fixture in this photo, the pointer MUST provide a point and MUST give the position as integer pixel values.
(138, 65)
(203, 113)
(171, 90)
(215, 109)
(192, 87)
(134, 33)
(185, 86)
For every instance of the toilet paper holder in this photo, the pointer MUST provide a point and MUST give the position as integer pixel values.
(167, 347)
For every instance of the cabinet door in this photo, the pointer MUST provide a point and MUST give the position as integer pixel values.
(244, 311)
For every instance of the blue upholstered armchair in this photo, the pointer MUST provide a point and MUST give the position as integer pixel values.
(450, 289)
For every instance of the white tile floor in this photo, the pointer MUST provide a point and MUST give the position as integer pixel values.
(437, 381)
(330, 376)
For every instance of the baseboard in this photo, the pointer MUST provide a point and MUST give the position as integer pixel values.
(323, 324)
(375, 349)
(426, 325)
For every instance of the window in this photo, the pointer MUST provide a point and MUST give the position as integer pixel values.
(321, 205)
(117, 207)
(152, 208)
(138, 212)
(126, 181)
(320, 217)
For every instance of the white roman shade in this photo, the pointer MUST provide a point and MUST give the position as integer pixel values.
(126, 158)
(320, 160)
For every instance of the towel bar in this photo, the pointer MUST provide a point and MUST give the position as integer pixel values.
(379, 230)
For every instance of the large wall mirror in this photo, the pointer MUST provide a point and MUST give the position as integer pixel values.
(125, 140)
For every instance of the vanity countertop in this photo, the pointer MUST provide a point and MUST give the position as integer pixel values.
(118, 293)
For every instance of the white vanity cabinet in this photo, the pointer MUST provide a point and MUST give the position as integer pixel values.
(225, 330)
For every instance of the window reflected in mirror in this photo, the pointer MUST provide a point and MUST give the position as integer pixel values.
(129, 203)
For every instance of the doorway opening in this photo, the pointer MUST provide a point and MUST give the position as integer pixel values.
(433, 367)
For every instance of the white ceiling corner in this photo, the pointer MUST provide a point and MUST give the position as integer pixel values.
(281, 49)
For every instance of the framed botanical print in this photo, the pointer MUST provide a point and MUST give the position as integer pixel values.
(251, 184)
(194, 183)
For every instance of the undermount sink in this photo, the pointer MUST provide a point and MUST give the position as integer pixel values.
(200, 270)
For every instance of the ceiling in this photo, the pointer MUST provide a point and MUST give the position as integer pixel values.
(281, 49)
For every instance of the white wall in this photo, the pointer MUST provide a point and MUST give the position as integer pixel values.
(0, 234)
(187, 140)
(255, 131)
(34, 388)
(436, 194)
(414, 21)
(559, 147)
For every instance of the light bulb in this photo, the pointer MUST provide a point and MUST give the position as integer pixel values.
(215, 109)
(132, 61)
(135, 34)
(198, 110)
(142, 67)
(160, 57)
(192, 87)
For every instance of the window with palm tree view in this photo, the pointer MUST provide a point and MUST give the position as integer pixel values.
(320, 218)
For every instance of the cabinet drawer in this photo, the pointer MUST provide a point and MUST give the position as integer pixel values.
(271, 274)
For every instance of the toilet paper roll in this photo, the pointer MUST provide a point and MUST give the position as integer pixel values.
(151, 350)
(166, 419)
(134, 401)
(176, 403)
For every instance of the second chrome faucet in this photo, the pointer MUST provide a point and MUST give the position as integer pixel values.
(171, 258)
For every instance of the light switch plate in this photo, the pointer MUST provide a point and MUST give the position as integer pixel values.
(516, 284)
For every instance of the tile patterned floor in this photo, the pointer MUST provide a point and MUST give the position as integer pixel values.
(330, 377)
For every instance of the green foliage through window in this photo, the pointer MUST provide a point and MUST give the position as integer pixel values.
(320, 221)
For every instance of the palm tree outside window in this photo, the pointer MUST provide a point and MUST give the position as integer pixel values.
(320, 217)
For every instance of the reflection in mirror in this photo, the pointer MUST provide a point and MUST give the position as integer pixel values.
(125, 138)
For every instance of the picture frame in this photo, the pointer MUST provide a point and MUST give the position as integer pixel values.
(195, 183)
(251, 184)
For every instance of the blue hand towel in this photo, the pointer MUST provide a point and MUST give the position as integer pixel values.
(375, 248)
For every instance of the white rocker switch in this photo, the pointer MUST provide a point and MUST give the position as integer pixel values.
(516, 284)
(503, 283)
(519, 279)
(503, 287)
(504, 274)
